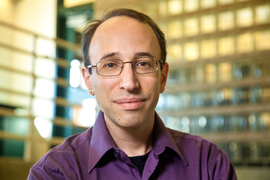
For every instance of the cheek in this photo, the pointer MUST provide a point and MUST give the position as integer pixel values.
(103, 87)
(102, 93)
(152, 85)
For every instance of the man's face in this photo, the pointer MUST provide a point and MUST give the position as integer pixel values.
(129, 99)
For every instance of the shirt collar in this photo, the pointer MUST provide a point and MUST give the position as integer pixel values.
(164, 137)
(101, 141)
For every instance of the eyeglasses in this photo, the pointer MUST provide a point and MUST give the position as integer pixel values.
(114, 67)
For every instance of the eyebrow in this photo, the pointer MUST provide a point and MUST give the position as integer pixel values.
(109, 55)
(139, 54)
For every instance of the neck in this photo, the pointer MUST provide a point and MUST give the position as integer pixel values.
(133, 141)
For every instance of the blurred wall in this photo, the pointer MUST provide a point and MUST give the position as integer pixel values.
(37, 16)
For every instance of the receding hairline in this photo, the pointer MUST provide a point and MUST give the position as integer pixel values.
(125, 17)
(104, 25)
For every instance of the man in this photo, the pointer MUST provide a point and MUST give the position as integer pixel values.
(126, 69)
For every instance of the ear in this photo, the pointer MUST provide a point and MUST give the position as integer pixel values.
(164, 75)
(87, 80)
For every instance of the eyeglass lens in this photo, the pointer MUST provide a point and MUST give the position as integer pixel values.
(113, 67)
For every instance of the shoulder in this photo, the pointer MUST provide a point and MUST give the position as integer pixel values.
(202, 153)
(196, 147)
(68, 148)
(182, 138)
(63, 159)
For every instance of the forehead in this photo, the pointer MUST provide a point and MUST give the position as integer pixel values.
(122, 32)
(122, 23)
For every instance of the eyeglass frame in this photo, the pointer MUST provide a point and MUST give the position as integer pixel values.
(122, 67)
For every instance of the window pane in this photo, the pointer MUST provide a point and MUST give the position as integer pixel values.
(12, 148)
(182, 76)
(191, 51)
(244, 43)
(226, 46)
(174, 7)
(208, 3)
(174, 29)
(15, 81)
(241, 69)
(208, 48)
(228, 94)
(191, 5)
(210, 71)
(262, 14)
(226, 20)
(43, 108)
(20, 40)
(16, 60)
(199, 74)
(45, 88)
(14, 125)
(244, 17)
(174, 53)
(208, 23)
(191, 27)
(45, 68)
(173, 77)
(62, 131)
(14, 100)
(260, 40)
(225, 72)
(191, 75)
(46, 47)
(262, 68)
(265, 119)
(44, 127)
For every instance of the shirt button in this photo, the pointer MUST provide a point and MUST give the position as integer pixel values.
(117, 154)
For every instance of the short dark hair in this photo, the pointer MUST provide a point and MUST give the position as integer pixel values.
(91, 27)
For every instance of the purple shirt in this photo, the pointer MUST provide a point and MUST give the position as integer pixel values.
(93, 155)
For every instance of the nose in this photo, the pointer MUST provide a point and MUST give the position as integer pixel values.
(129, 78)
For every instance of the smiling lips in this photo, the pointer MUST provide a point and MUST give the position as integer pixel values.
(130, 104)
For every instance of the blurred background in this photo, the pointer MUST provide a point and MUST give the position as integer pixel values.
(218, 86)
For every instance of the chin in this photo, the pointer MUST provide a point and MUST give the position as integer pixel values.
(129, 122)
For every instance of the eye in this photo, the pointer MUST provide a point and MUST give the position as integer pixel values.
(110, 64)
(143, 63)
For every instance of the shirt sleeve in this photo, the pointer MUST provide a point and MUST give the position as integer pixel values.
(223, 169)
(45, 171)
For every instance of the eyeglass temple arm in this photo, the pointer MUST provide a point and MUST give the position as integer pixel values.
(90, 68)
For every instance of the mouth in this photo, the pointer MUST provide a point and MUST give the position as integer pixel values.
(130, 104)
